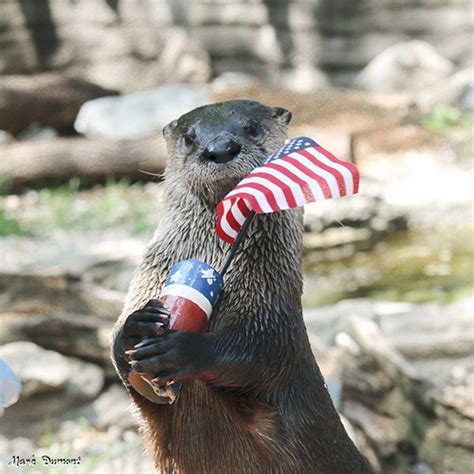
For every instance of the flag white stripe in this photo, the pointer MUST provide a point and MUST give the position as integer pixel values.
(314, 185)
(277, 192)
(294, 187)
(239, 217)
(185, 291)
(227, 229)
(346, 174)
(259, 196)
(326, 175)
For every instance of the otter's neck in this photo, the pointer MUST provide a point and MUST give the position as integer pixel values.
(274, 240)
(189, 226)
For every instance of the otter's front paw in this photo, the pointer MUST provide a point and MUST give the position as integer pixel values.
(177, 355)
(147, 322)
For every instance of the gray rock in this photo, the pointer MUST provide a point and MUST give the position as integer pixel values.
(40, 370)
(407, 66)
(328, 321)
(60, 297)
(56, 293)
(432, 331)
(139, 114)
(51, 381)
(367, 210)
(229, 81)
(435, 338)
(109, 261)
(350, 224)
(466, 101)
(36, 134)
(390, 396)
(20, 446)
(5, 138)
(457, 90)
(304, 78)
(111, 408)
(78, 335)
(85, 382)
(421, 468)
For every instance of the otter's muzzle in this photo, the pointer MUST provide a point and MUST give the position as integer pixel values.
(221, 149)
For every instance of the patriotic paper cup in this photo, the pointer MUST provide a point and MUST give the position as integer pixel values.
(190, 293)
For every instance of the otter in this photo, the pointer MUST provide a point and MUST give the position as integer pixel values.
(252, 399)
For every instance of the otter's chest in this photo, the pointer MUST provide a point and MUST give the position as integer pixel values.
(215, 428)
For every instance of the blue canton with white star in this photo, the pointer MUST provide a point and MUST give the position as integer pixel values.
(295, 144)
(198, 275)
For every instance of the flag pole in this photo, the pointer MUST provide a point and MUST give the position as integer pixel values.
(238, 240)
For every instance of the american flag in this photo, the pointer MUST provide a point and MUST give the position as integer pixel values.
(189, 293)
(299, 173)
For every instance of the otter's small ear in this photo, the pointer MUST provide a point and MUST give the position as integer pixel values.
(168, 129)
(283, 115)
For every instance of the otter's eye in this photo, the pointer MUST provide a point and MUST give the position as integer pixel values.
(188, 139)
(253, 129)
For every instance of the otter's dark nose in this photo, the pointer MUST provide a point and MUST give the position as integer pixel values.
(221, 150)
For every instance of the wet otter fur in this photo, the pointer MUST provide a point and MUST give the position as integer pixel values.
(253, 399)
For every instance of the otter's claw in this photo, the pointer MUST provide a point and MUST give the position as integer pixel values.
(177, 355)
(148, 322)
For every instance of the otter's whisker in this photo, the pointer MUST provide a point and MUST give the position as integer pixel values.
(158, 175)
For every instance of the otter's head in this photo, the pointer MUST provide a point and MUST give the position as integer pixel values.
(215, 146)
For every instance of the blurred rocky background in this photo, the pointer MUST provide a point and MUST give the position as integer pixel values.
(85, 88)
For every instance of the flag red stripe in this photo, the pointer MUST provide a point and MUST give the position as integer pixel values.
(231, 220)
(219, 229)
(244, 209)
(283, 186)
(252, 199)
(265, 191)
(222, 235)
(321, 181)
(350, 166)
(337, 175)
(305, 187)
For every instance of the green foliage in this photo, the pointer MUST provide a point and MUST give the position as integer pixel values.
(444, 118)
(83, 422)
(51, 445)
(110, 452)
(59, 201)
(5, 185)
(8, 225)
(47, 436)
(117, 204)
